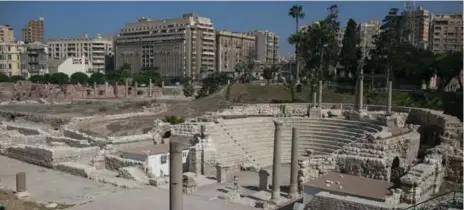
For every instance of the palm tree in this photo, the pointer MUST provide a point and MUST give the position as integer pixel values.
(296, 12)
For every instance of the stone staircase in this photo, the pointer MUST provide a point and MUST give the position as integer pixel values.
(228, 152)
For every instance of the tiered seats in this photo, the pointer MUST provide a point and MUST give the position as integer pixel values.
(251, 140)
(324, 136)
(228, 152)
(255, 136)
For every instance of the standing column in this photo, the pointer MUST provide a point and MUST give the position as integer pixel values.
(175, 176)
(319, 98)
(276, 162)
(360, 94)
(314, 98)
(293, 192)
(389, 99)
(94, 89)
(150, 87)
(136, 89)
(21, 182)
(106, 89)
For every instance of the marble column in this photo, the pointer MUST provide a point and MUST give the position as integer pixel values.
(95, 94)
(359, 95)
(136, 89)
(106, 89)
(202, 131)
(293, 191)
(175, 176)
(150, 88)
(276, 162)
(389, 99)
(314, 98)
(319, 96)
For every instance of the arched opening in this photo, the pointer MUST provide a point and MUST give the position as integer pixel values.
(167, 135)
(429, 138)
(396, 172)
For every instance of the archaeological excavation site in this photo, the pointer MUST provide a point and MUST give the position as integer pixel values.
(117, 150)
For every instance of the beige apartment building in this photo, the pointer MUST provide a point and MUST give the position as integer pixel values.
(177, 47)
(446, 34)
(34, 59)
(10, 58)
(34, 31)
(233, 48)
(417, 26)
(367, 32)
(93, 49)
(267, 46)
(6, 33)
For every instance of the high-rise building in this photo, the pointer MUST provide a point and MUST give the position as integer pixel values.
(446, 34)
(6, 33)
(10, 58)
(267, 46)
(34, 59)
(178, 47)
(417, 27)
(93, 49)
(34, 31)
(366, 33)
(233, 48)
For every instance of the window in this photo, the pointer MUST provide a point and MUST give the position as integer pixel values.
(184, 154)
(9, 66)
(9, 57)
(164, 159)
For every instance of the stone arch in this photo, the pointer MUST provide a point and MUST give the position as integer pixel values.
(166, 135)
(396, 171)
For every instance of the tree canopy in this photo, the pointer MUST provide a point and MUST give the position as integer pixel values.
(79, 78)
(59, 78)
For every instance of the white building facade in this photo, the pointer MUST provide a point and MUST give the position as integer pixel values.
(70, 66)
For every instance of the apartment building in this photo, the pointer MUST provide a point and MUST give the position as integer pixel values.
(447, 33)
(417, 26)
(10, 58)
(34, 31)
(366, 33)
(6, 33)
(34, 59)
(178, 47)
(233, 48)
(267, 46)
(339, 37)
(93, 49)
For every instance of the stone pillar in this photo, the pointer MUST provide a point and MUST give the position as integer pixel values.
(136, 87)
(150, 89)
(95, 90)
(314, 98)
(21, 182)
(319, 96)
(276, 162)
(389, 99)
(162, 84)
(264, 179)
(175, 176)
(106, 89)
(359, 98)
(293, 191)
(126, 88)
(221, 173)
(202, 131)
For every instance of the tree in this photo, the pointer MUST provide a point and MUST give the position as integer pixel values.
(173, 120)
(59, 78)
(349, 52)
(125, 70)
(188, 89)
(142, 79)
(47, 78)
(114, 78)
(16, 78)
(4, 78)
(449, 66)
(98, 78)
(212, 83)
(79, 77)
(269, 72)
(296, 12)
(371, 93)
(38, 79)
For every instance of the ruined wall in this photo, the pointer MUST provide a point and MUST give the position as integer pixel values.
(328, 201)
(113, 163)
(313, 167)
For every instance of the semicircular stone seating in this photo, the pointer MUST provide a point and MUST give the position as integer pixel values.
(251, 140)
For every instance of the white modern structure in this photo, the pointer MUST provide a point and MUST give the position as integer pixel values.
(94, 49)
(69, 66)
(156, 156)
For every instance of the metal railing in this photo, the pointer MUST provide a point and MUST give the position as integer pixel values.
(453, 196)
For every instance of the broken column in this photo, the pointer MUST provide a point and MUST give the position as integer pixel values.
(293, 191)
(276, 162)
(136, 87)
(314, 98)
(264, 179)
(359, 95)
(94, 89)
(150, 87)
(202, 131)
(319, 96)
(106, 89)
(21, 182)
(175, 175)
(389, 99)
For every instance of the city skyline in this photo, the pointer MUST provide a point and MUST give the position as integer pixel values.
(109, 17)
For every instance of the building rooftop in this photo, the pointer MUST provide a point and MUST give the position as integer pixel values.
(352, 185)
(150, 150)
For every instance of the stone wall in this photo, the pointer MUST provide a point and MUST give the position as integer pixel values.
(114, 163)
(328, 201)
(313, 167)
(25, 90)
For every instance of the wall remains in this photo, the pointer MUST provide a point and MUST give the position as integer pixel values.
(328, 201)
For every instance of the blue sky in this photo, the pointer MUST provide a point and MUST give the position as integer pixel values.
(73, 19)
